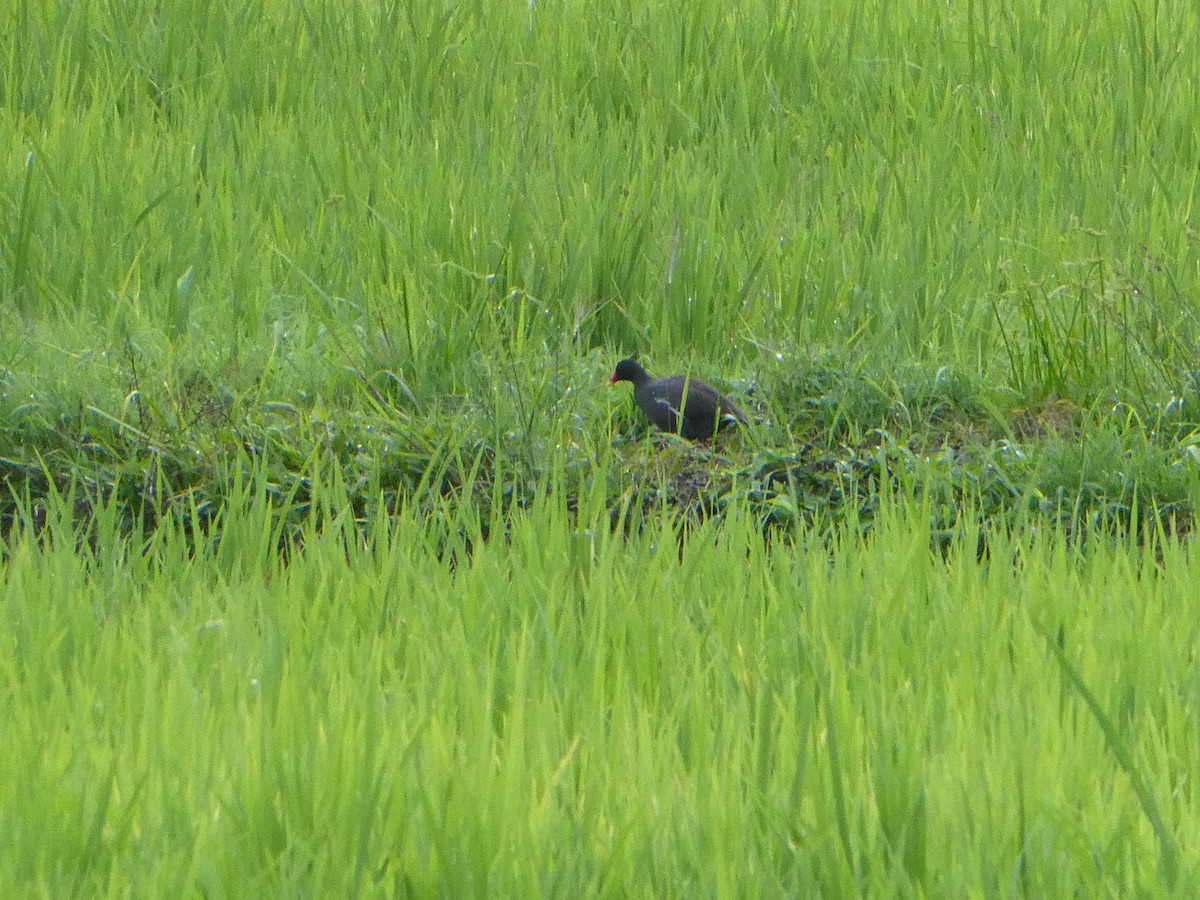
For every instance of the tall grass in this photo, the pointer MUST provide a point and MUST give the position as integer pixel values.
(458, 178)
(577, 711)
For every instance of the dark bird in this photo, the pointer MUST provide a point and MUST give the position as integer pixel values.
(661, 399)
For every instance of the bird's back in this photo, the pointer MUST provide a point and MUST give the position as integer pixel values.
(662, 398)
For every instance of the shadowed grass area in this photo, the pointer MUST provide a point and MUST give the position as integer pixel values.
(824, 443)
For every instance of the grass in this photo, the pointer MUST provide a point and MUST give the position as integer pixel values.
(209, 246)
(629, 714)
(332, 565)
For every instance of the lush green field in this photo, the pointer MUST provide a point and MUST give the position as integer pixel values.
(427, 230)
(332, 565)
(576, 713)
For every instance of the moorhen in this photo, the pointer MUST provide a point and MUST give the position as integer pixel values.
(661, 399)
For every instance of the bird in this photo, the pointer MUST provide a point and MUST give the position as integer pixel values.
(705, 410)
